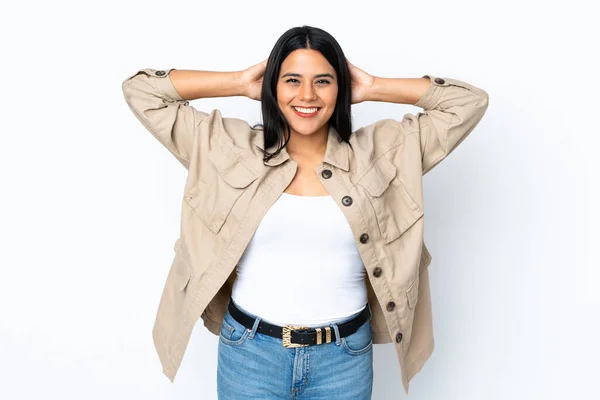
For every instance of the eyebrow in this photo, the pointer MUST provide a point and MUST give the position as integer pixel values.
(316, 76)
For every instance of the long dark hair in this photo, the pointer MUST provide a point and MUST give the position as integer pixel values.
(303, 37)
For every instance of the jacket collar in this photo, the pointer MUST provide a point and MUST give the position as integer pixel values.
(336, 153)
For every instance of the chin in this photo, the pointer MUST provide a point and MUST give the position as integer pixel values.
(305, 131)
(307, 128)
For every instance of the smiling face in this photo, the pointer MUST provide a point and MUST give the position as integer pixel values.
(307, 89)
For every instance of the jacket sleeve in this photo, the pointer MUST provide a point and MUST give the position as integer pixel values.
(452, 109)
(153, 99)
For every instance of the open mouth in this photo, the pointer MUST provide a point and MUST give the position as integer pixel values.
(305, 112)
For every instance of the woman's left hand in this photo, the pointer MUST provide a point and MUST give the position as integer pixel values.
(362, 83)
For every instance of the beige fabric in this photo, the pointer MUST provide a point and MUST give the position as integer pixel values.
(229, 189)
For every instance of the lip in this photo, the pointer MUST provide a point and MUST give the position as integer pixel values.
(301, 115)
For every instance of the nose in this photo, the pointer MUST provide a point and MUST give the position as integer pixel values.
(307, 92)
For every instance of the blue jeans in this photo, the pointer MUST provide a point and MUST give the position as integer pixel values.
(252, 365)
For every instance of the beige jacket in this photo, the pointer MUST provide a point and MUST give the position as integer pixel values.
(377, 185)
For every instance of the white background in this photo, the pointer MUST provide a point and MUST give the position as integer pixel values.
(91, 201)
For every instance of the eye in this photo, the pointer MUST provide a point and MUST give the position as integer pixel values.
(320, 81)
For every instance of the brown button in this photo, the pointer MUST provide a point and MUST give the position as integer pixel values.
(160, 73)
(326, 173)
(347, 201)
(439, 81)
(390, 306)
(364, 238)
(377, 272)
(398, 337)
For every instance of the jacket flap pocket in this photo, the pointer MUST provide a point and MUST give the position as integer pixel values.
(231, 166)
(409, 212)
(214, 195)
(213, 202)
(378, 178)
(181, 272)
(412, 293)
(395, 209)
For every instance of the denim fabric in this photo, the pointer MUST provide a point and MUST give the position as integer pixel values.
(252, 365)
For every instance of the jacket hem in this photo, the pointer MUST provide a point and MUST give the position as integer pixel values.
(414, 367)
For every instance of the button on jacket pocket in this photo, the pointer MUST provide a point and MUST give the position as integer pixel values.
(394, 207)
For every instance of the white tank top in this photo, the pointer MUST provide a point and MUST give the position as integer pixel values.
(301, 266)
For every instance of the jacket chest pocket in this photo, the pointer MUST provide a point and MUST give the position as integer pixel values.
(395, 209)
(213, 200)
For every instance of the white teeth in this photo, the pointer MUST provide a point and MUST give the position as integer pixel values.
(306, 110)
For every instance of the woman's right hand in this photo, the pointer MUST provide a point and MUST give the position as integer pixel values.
(253, 79)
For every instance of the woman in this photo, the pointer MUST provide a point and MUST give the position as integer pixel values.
(276, 247)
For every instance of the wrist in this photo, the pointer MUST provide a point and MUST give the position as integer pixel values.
(240, 83)
(376, 88)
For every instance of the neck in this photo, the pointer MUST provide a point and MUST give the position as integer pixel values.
(308, 146)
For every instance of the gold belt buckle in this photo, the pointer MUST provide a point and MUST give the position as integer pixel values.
(287, 336)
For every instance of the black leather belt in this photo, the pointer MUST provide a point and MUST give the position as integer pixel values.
(298, 336)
